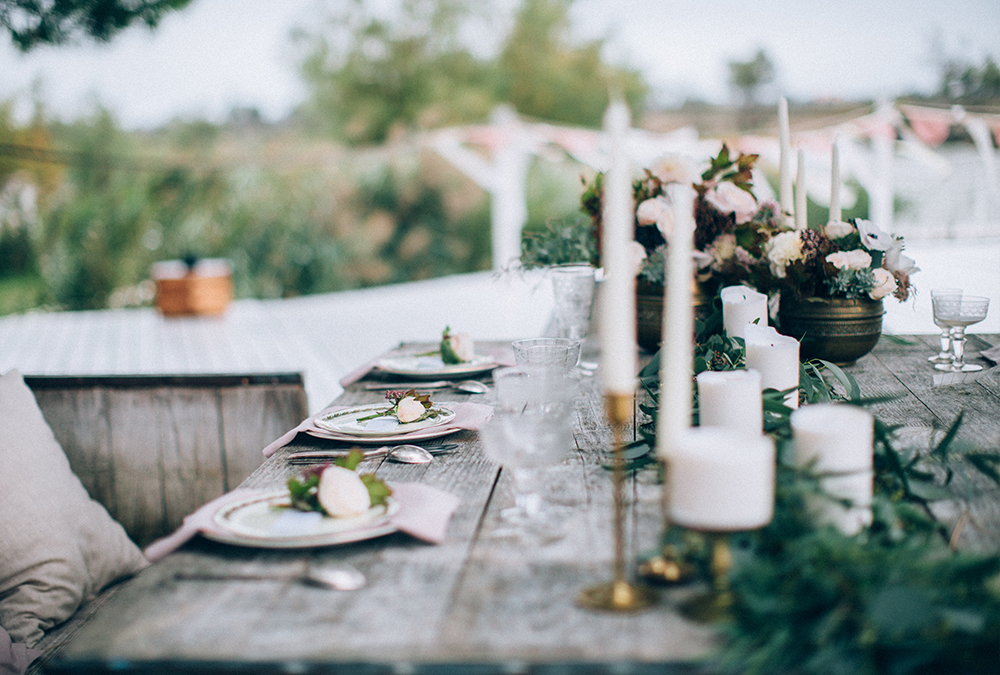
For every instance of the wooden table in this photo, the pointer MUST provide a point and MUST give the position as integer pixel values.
(477, 602)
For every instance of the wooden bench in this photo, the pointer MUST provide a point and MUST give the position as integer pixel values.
(153, 448)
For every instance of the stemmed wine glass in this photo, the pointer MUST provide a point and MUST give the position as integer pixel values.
(944, 355)
(525, 444)
(531, 430)
(957, 313)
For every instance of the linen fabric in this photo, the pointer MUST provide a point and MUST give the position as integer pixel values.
(58, 547)
(424, 513)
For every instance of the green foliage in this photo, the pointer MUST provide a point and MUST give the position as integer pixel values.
(806, 599)
(749, 77)
(543, 74)
(559, 242)
(32, 23)
(970, 84)
(371, 76)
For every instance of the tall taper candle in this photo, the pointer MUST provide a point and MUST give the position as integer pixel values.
(800, 193)
(835, 182)
(784, 158)
(677, 351)
(619, 360)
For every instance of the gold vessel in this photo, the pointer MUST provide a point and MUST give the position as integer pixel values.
(833, 329)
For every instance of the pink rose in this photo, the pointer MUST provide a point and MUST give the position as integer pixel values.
(728, 198)
(409, 409)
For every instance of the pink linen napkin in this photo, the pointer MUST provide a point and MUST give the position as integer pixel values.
(993, 354)
(15, 657)
(424, 513)
(468, 415)
(355, 375)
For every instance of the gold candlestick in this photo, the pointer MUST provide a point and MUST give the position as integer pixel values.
(619, 594)
(717, 602)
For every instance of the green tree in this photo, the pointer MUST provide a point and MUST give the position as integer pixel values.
(543, 74)
(370, 75)
(36, 22)
(747, 78)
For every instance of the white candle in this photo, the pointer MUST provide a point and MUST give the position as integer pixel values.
(741, 306)
(800, 193)
(677, 350)
(617, 304)
(833, 437)
(835, 214)
(836, 441)
(784, 158)
(719, 479)
(731, 399)
(776, 358)
(828, 509)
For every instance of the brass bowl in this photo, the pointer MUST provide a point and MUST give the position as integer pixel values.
(649, 312)
(833, 329)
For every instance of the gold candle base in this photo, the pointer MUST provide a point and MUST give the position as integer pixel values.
(618, 595)
(716, 603)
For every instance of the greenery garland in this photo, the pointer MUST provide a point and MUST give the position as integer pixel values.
(896, 598)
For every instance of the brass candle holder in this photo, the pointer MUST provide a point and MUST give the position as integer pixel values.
(716, 603)
(619, 594)
(670, 565)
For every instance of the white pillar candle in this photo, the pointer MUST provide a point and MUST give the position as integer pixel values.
(784, 158)
(836, 441)
(677, 350)
(731, 399)
(829, 509)
(741, 306)
(835, 213)
(619, 360)
(800, 193)
(776, 358)
(721, 480)
(833, 437)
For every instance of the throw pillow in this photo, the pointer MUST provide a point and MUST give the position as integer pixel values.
(58, 547)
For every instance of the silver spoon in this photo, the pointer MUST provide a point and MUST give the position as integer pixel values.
(339, 577)
(409, 454)
(471, 386)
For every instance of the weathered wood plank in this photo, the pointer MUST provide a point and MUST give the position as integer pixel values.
(137, 448)
(251, 418)
(192, 450)
(79, 421)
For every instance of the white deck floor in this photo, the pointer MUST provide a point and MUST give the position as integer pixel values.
(323, 336)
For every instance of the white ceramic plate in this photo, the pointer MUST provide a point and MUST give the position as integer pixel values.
(433, 368)
(347, 422)
(261, 522)
(422, 435)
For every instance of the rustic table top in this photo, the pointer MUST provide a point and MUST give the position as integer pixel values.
(479, 597)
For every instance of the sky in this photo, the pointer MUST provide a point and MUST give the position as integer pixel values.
(219, 54)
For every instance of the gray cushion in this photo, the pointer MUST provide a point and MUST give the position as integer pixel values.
(58, 547)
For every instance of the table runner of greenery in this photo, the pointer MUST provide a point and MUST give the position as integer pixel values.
(895, 598)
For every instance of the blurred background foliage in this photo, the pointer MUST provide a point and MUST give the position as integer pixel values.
(342, 194)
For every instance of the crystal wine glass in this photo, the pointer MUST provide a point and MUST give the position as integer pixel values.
(525, 444)
(573, 290)
(957, 313)
(944, 355)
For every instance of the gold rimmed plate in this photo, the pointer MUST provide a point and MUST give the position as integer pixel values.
(351, 421)
(433, 368)
(268, 521)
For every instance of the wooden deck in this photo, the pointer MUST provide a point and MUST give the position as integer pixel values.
(325, 337)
